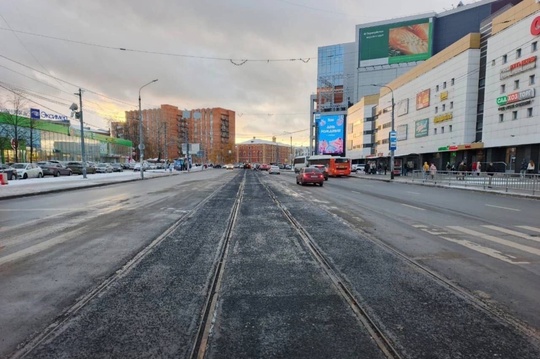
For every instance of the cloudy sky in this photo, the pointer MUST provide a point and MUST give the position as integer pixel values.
(197, 49)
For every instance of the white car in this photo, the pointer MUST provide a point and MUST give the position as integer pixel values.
(28, 170)
(274, 169)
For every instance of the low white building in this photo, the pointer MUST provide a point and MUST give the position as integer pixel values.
(360, 128)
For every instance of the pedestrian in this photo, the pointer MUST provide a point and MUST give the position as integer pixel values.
(490, 172)
(432, 170)
(478, 168)
(385, 168)
(523, 168)
(461, 171)
(425, 170)
(171, 165)
(366, 169)
(448, 166)
(530, 167)
(379, 169)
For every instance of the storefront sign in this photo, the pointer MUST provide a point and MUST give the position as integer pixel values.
(518, 67)
(515, 105)
(515, 97)
(444, 117)
(535, 26)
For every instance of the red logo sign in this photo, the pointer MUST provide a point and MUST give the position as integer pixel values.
(535, 26)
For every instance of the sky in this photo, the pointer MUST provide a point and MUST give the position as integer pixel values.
(255, 57)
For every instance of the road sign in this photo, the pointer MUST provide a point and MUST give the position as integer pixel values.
(392, 140)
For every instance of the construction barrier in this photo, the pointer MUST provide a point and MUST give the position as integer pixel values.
(3, 178)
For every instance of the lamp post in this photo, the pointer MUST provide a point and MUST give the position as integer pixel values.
(392, 148)
(141, 144)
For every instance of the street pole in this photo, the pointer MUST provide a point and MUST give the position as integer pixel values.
(141, 144)
(83, 153)
(392, 130)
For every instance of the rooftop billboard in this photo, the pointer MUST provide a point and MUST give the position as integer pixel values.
(395, 43)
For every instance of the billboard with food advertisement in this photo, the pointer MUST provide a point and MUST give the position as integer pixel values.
(395, 43)
(330, 135)
(422, 99)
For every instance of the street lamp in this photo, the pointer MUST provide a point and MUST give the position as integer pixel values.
(392, 132)
(141, 145)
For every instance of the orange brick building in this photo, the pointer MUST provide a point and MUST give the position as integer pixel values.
(261, 151)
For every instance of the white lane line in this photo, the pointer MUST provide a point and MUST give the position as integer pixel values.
(507, 208)
(494, 239)
(33, 249)
(412, 192)
(534, 229)
(513, 233)
(418, 208)
(484, 250)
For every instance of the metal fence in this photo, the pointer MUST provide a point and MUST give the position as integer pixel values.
(507, 182)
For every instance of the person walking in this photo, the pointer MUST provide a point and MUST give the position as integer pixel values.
(490, 172)
(478, 168)
(433, 170)
(530, 167)
(425, 170)
(461, 171)
(523, 168)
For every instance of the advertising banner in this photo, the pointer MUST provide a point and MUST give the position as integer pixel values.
(402, 132)
(402, 107)
(331, 130)
(422, 99)
(421, 128)
(396, 43)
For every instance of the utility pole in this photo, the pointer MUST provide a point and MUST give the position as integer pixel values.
(79, 115)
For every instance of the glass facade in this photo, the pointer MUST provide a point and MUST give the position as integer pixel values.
(39, 140)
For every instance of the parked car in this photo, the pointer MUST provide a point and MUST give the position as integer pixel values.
(229, 166)
(103, 168)
(137, 167)
(117, 167)
(264, 167)
(77, 167)
(54, 169)
(10, 172)
(28, 170)
(274, 169)
(310, 175)
(323, 169)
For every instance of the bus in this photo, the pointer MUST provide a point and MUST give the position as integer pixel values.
(336, 166)
(300, 162)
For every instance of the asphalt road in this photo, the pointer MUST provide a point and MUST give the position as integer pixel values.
(435, 288)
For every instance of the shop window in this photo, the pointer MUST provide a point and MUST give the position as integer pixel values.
(504, 59)
(531, 80)
(516, 84)
(534, 46)
(514, 115)
(503, 88)
(518, 53)
(501, 117)
(529, 112)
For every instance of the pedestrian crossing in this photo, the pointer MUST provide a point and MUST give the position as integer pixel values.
(513, 244)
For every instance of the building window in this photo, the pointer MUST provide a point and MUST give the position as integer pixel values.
(452, 82)
(514, 115)
(449, 128)
(442, 129)
(444, 85)
(531, 80)
(534, 46)
(493, 62)
(503, 88)
(529, 112)
(444, 107)
(504, 59)
(436, 109)
(501, 117)
(434, 131)
(516, 84)
(518, 53)
(451, 105)
(437, 88)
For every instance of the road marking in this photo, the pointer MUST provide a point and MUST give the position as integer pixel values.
(418, 208)
(507, 208)
(494, 239)
(534, 229)
(484, 250)
(513, 233)
(412, 192)
(33, 249)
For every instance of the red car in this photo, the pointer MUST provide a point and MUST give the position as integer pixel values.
(310, 175)
(264, 167)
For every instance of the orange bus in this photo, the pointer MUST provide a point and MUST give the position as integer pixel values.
(335, 166)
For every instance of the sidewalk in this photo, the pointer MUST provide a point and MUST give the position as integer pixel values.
(34, 186)
(469, 186)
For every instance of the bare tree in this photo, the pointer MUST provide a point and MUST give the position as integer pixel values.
(14, 118)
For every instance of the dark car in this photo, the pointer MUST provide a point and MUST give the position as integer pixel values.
(117, 167)
(54, 169)
(310, 175)
(11, 173)
(77, 167)
(323, 169)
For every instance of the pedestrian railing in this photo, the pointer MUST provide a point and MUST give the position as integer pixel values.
(515, 182)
